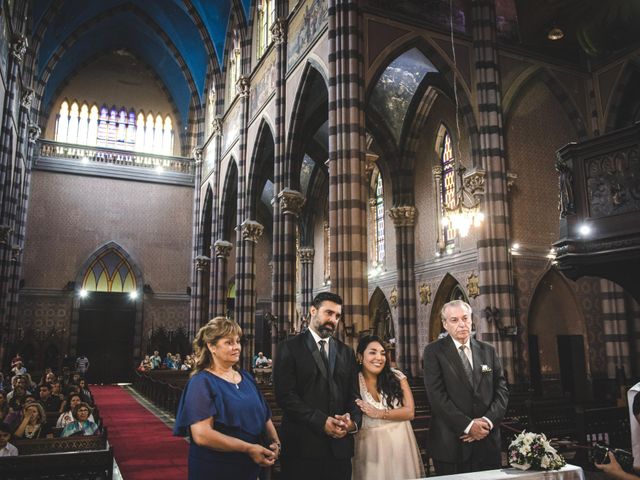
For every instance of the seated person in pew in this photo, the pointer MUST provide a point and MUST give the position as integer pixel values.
(67, 417)
(81, 425)
(34, 422)
(6, 449)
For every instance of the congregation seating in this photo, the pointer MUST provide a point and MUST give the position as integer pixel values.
(68, 458)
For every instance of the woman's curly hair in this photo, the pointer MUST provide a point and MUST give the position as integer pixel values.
(388, 384)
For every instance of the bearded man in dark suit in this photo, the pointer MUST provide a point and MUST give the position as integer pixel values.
(468, 394)
(315, 377)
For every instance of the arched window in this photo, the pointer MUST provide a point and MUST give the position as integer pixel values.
(112, 128)
(265, 16)
(110, 272)
(379, 218)
(447, 187)
(233, 68)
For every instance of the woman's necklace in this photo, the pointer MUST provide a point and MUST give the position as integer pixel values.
(225, 376)
(30, 430)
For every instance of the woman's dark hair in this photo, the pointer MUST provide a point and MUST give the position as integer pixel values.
(388, 383)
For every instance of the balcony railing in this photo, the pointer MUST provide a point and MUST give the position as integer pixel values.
(88, 155)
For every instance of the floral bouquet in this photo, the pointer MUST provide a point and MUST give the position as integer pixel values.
(533, 450)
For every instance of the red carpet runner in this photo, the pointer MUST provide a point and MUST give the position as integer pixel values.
(143, 446)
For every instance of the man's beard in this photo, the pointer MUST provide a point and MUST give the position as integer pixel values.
(325, 331)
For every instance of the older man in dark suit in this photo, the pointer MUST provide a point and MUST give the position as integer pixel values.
(468, 395)
(316, 386)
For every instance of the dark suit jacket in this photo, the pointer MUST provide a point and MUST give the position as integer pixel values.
(308, 394)
(455, 402)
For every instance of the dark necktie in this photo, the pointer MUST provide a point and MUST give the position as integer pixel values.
(466, 364)
(323, 353)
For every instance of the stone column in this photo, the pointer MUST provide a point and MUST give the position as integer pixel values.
(222, 249)
(202, 264)
(216, 222)
(195, 307)
(403, 218)
(494, 261)
(245, 306)
(347, 148)
(291, 203)
(307, 255)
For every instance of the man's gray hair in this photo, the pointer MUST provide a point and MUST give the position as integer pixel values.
(454, 304)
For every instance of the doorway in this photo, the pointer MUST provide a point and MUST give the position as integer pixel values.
(105, 336)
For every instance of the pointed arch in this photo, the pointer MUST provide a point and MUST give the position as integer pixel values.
(229, 203)
(449, 289)
(529, 77)
(624, 105)
(109, 269)
(380, 317)
(261, 167)
(309, 113)
(206, 223)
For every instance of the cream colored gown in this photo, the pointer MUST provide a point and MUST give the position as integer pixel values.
(385, 449)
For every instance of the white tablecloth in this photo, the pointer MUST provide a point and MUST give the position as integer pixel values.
(568, 472)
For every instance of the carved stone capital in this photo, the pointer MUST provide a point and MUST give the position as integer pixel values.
(437, 171)
(251, 230)
(291, 201)
(306, 254)
(16, 250)
(34, 132)
(243, 86)
(279, 30)
(474, 182)
(19, 47)
(216, 126)
(202, 262)
(27, 98)
(511, 180)
(196, 154)
(222, 248)
(404, 216)
(5, 234)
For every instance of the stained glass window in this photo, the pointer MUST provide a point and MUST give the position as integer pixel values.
(266, 17)
(113, 128)
(110, 272)
(448, 186)
(379, 217)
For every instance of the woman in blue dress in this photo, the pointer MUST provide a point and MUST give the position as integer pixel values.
(223, 412)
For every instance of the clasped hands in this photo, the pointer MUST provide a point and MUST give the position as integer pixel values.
(480, 428)
(338, 425)
(265, 457)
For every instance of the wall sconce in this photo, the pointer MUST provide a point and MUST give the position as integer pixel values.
(349, 331)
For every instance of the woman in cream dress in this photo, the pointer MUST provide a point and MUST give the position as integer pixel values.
(385, 446)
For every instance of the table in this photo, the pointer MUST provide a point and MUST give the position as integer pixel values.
(568, 472)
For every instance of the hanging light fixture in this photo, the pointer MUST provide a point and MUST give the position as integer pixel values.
(555, 33)
(464, 212)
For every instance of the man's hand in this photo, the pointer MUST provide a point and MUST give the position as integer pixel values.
(479, 429)
(613, 469)
(335, 428)
(349, 425)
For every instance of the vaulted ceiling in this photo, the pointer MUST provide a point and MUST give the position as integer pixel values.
(183, 41)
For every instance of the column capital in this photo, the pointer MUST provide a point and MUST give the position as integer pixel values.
(437, 170)
(403, 216)
(243, 86)
(202, 262)
(222, 248)
(34, 132)
(251, 230)
(27, 98)
(306, 254)
(19, 47)
(216, 126)
(291, 201)
(474, 181)
(196, 154)
(279, 30)
(5, 233)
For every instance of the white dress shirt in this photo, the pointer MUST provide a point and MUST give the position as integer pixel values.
(8, 451)
(317, 338)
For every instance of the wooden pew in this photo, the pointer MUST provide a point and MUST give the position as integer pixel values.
(60, 458)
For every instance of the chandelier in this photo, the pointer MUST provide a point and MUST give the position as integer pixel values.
(464, 211)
